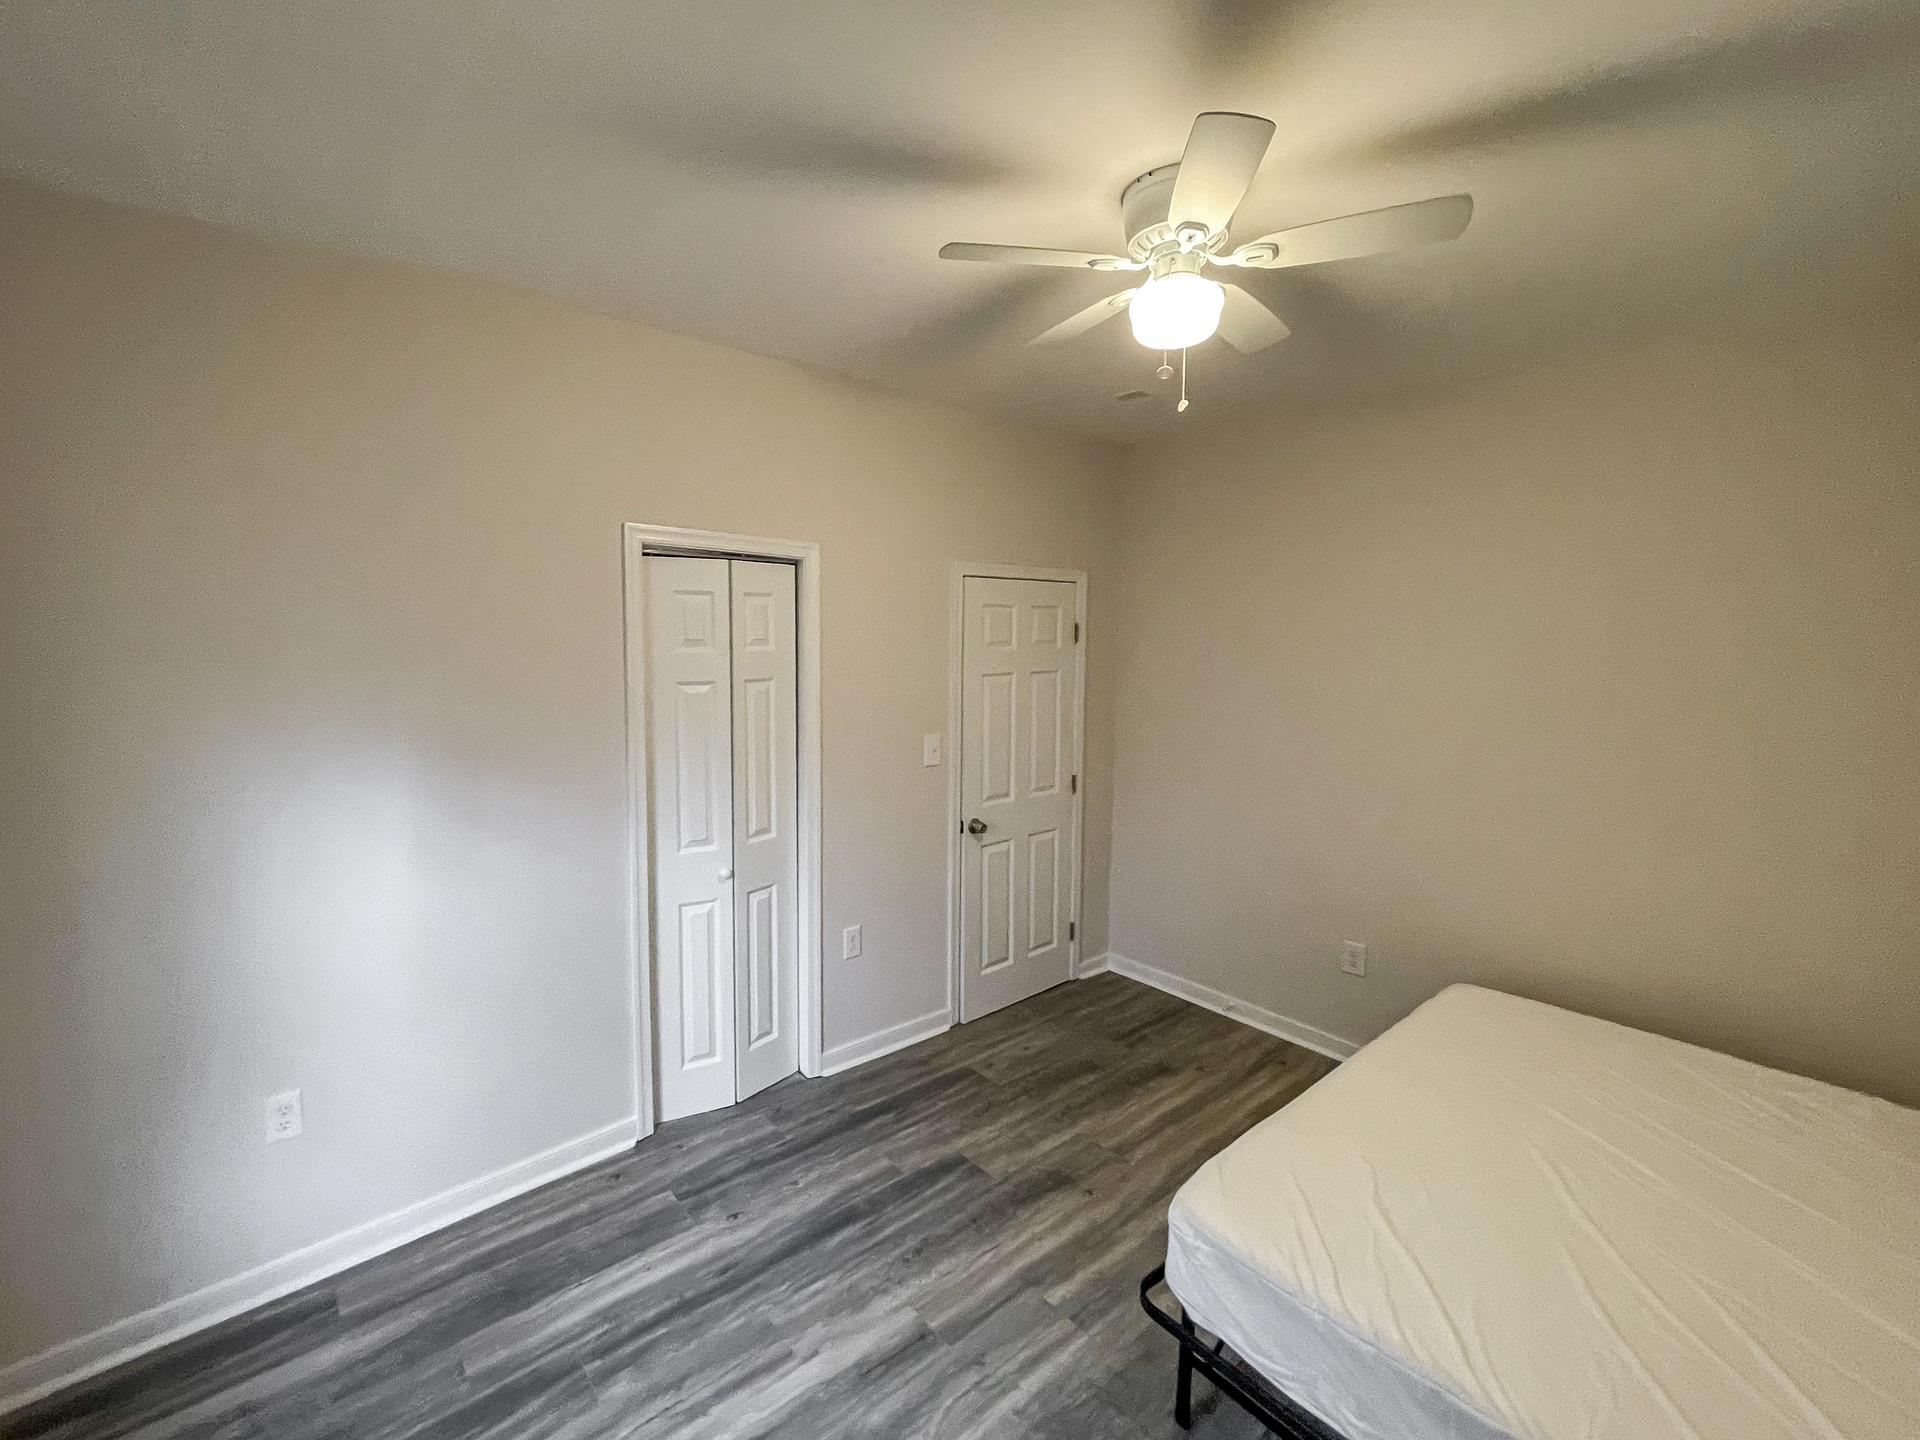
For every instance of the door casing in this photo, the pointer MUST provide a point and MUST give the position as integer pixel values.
(637, 540)
(956, 700)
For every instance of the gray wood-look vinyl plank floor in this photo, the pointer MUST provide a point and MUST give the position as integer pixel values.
(943, 1243)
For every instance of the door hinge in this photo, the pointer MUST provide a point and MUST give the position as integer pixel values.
(1073, 931)
(1073, 786)
(1076, 632)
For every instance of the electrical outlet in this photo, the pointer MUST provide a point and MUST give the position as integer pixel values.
(1353, 957)
(283, 1116)
(930, 750)
(850, 943)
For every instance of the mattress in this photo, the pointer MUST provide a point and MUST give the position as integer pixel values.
(1506, 1221)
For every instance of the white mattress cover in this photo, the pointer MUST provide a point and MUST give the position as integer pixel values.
(1502, 1219)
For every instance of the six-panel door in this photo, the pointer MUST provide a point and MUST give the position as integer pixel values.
(1019, 687)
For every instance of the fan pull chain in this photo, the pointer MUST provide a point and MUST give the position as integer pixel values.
(1181, 408)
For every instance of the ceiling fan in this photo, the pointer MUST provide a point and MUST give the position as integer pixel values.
(1175, 219)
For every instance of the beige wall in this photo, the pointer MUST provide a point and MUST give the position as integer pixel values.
(312, 773)
(1603, 687)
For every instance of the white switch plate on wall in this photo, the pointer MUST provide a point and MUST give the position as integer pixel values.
(1353, 957)
(850, 943)
(930, 750)
(283, 1116)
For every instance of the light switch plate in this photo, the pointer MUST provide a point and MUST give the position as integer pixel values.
(1353, 957)
(850, 943)
(930, 750)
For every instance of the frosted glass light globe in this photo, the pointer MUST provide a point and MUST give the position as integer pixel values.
(1172, 312)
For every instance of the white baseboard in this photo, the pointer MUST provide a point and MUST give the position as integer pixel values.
(1092, 965)
(885, 1042)
(1299, 1032)
(31, 1379)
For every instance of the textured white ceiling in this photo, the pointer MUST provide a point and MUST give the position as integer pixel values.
(778, 176)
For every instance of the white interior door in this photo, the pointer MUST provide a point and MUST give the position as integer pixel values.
(766, 822)
(1020, 688)
(690, 726)
(722, 723)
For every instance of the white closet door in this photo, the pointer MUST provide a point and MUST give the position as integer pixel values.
(1020, 678)
(766, 816)
(690, 729)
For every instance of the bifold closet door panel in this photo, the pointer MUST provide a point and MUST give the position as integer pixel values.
(690, 735)
(766, 816)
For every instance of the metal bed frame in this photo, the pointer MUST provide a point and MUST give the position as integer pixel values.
(1233, 1379)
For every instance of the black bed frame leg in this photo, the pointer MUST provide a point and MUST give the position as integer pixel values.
(1230, 1379)
(1183, 1383)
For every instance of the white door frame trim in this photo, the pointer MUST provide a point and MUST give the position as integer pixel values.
(956, 634)
(637, 540)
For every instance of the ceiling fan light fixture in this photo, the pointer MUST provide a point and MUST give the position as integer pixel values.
(1176, 310)
(1177, 221)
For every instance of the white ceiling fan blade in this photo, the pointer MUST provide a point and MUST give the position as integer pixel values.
(1084, 320)
(1371, 232)
(1034, 255)
(1247, 325)
(1223, 153)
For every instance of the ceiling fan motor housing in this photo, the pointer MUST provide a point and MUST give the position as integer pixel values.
(1143, 214)
(1143, 208)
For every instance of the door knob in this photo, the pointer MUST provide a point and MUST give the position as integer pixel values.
(976, 827)
(726, 874)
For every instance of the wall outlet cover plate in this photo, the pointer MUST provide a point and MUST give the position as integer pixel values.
(283, 1116)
